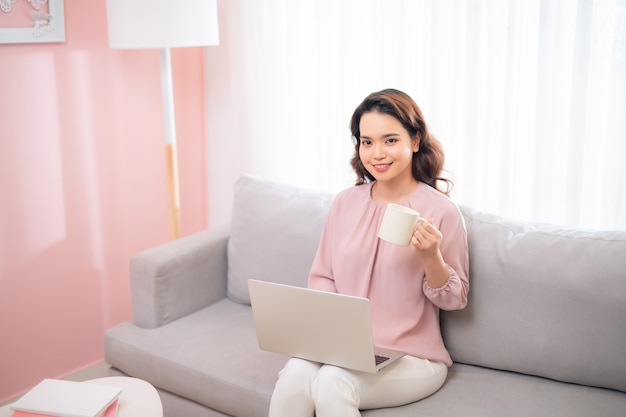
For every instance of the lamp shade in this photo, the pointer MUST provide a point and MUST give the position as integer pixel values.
(139, 24)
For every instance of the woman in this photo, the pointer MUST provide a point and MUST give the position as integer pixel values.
(396, 161)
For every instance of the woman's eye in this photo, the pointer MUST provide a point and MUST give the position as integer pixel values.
(365, 142)
(392, 140)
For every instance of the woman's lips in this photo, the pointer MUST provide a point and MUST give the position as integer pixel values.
(381, 167)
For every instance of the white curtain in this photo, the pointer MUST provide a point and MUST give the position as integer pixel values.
(528, 97)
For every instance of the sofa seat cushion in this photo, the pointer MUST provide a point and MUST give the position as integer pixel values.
(472, 391)
(210, 357)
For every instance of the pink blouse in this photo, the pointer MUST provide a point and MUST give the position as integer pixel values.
(351, 259)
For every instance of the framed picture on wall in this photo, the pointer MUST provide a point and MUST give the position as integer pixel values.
(32, 21)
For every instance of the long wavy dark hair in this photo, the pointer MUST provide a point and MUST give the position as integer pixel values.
(428, 161)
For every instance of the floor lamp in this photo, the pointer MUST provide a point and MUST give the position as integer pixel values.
(164, 24)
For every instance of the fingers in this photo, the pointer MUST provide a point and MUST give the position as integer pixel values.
(427, 227)
(426, 235)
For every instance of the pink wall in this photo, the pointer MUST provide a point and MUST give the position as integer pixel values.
(83, 188)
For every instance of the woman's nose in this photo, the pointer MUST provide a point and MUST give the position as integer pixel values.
(379, 152)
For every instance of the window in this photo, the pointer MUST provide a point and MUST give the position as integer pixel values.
(527, 97)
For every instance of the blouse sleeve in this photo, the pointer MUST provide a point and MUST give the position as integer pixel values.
(321, 273)
(453, 294)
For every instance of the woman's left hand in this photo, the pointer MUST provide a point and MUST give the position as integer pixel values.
(426, 239)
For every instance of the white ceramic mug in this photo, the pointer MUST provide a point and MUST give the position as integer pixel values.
(398, 224)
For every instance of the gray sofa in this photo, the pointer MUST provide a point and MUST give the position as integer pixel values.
(544, 333)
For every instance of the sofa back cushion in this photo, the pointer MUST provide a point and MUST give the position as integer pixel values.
(275, 230)
(544, 301)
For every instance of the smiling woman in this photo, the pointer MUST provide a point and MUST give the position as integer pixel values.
(528, 97)
(428, 273)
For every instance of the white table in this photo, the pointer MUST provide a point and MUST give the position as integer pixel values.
(138, 397)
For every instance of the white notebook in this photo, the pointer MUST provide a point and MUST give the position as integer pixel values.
(57, 397)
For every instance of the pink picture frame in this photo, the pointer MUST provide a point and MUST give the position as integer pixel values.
(32, 21)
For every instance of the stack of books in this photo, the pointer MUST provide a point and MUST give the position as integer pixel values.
(61, 398)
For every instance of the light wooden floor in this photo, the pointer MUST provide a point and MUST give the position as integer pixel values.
(96, 371)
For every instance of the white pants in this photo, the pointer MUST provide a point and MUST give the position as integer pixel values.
(307, 388)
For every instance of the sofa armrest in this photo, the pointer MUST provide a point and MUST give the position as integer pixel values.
(177, 278)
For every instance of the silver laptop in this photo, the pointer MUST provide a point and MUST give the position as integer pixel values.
(316, 325)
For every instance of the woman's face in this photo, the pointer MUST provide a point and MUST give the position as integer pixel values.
(386, 149)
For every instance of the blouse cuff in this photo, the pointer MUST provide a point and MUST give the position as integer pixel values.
(450, 296)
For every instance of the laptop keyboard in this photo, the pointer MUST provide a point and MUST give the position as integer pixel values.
(380, 359)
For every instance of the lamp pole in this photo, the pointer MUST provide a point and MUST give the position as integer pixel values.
(164, 24)
(170, 142)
